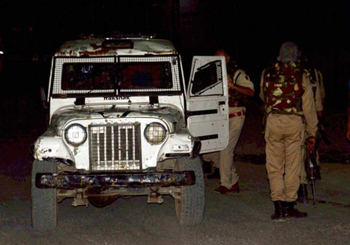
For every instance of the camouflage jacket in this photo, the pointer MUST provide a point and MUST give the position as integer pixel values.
(282, 88)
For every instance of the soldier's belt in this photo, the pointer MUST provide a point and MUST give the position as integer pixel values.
(237, 114)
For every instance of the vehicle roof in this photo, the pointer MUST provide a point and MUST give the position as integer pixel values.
(94, 46)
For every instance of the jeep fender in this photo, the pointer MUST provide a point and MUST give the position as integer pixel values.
(52, 148)
(179, 144)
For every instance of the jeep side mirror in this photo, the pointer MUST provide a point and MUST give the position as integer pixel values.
(43, 98)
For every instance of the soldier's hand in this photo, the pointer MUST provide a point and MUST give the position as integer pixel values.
(319, 135)
(230, 83)
(310, 142)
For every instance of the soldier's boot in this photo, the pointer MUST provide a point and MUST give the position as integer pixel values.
(279, 214)
(291, 212)
(302, 194)
(215, 174)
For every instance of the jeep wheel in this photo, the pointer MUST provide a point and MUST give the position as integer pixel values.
(44, 201)
(190, 200)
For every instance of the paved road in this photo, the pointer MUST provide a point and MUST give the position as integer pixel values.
(240, 219)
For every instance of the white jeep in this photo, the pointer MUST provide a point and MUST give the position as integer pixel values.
(123, 122)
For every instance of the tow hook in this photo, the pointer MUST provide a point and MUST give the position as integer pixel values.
(155, 197)
(80, 199)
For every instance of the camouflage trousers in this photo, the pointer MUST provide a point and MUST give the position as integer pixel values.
(284, 156)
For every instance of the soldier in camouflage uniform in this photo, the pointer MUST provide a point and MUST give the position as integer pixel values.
(289, 110)
(240, 87)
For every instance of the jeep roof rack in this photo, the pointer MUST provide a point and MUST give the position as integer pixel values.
(117, 43)
(118, 35)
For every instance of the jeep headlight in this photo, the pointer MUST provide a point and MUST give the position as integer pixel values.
(155, 133)
(75, 134)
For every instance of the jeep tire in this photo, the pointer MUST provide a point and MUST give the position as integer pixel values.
(43, 201)
(190, 200)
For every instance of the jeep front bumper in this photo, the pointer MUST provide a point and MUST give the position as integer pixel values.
(70, 181)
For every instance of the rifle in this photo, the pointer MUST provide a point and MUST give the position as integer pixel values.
(312, 170)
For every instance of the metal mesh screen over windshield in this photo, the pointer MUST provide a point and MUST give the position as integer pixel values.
(82, 76)
(149, 74)
(116, 74)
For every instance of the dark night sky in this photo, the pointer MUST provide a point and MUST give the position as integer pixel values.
(312, 21)
(255, 28)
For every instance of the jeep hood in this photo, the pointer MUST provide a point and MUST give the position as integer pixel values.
(169, 115)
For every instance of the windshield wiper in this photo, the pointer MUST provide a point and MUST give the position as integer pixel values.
(117, 87)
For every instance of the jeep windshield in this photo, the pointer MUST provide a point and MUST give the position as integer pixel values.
(83, 76)
(116, 75)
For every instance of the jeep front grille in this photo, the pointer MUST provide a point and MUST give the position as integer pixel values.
(115, 147)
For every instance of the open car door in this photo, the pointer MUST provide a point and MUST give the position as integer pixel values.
(207, 102)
